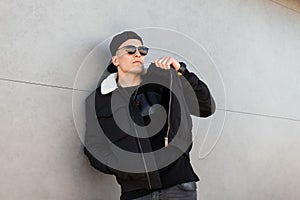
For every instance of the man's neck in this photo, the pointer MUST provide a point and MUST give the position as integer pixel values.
(128, 79)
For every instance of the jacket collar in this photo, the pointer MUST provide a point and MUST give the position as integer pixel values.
(109, 84)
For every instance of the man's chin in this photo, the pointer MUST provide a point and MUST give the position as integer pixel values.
(137, 70)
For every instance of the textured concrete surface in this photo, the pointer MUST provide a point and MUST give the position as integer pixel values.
(41, 153)
(256, 158)
(255, 45)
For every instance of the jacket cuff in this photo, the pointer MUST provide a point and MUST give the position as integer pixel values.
(185, 72)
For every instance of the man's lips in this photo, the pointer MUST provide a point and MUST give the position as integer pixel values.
(138, 62)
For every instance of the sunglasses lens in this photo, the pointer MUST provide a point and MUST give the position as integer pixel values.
(143, 50)
(130, 49)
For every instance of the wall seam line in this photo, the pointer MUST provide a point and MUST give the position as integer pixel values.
(43, 84)
(261, 115)
(226, 110)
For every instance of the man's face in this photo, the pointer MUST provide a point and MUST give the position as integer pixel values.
(127, 63)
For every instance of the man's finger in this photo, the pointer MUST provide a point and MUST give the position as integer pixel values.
(157, 63)
(165, 60)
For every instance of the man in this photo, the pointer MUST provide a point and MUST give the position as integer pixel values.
(139, 126)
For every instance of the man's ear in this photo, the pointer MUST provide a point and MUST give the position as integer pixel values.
(114, 60)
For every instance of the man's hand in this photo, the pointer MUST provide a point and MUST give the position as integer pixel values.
(165, 63)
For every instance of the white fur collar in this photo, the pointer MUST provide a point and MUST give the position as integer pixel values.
(109, 84)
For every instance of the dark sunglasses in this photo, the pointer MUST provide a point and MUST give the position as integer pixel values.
(130, 49)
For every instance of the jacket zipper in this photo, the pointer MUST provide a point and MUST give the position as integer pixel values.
(166, 138)
(140, 147)
(144, 161)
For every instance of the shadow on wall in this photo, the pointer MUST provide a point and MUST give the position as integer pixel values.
(291, 4)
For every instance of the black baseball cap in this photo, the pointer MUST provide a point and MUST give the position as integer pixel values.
(116, 42)
(120, 39)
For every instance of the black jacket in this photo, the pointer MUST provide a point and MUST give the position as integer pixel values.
(103, 132)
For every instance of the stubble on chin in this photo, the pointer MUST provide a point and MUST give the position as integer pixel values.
(138, 70)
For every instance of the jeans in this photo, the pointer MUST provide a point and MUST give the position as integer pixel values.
(183, 191)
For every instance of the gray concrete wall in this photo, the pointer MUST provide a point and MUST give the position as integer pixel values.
(255, 45)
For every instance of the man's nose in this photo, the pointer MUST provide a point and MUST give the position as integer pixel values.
(137, 53)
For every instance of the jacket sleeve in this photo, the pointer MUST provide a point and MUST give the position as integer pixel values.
(96, 147)
(204, 105)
